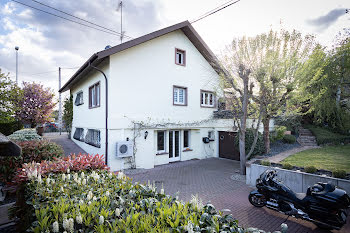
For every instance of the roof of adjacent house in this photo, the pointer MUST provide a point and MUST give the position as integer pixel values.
(186, 28)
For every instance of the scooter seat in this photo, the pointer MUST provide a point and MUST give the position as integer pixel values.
(300, 196)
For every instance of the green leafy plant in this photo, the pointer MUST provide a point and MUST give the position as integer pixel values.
(339, 173)
(326, 136)
(310, 169)
(292, 122)
(287, 166)
(249, 138)
(265, 163)
(278, 133)
(289, 139)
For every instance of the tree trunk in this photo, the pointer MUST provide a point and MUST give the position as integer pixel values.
(266, 123)
(242, 156)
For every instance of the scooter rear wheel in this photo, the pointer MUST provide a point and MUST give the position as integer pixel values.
(257, 200)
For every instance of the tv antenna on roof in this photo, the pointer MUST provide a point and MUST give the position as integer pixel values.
(120, 8)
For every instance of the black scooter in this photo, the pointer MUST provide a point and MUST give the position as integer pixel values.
(322, 204)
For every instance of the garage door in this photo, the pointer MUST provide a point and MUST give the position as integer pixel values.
(226, 145)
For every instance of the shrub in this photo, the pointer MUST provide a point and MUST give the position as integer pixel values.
(291, 121)
(278, 133)
(310, 169)
(32, 151)
(325, 136)
(111, 203)
(287, 166)
(10, 127)
(249, 139)
(265, 163)
(24, 135)
(289, 139)
(339, 173)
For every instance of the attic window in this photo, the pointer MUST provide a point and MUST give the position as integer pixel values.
(180, 57)
(79, 134)
(79, 99)
(93, 138)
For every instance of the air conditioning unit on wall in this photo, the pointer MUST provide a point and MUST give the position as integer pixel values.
(125, 149)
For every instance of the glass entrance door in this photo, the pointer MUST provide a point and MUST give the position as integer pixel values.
(174, 145)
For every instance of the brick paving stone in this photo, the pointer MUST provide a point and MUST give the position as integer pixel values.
(211, 180)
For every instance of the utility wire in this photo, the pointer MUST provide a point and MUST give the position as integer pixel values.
(65, 18)
(217, 9)
(51, 71)
(79, 18)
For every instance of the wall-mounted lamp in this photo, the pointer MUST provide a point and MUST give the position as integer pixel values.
(146, 134)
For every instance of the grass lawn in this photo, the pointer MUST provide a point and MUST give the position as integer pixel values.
(328, 158)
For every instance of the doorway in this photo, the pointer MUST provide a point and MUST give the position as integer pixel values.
(227, 149)
(174, 145)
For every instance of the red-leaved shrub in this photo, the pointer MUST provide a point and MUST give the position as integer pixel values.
(72, 162)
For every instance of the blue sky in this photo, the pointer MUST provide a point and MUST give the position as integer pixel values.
(47, 42)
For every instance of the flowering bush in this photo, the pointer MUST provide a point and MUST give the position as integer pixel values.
(32, 151)
(101, 201)
(24, 135)
(66, 163)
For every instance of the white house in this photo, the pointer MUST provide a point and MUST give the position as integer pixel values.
(160, 91)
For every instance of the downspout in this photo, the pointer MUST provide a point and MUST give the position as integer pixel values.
(106, 153)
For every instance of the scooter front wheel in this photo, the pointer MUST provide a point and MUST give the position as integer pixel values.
(257, 199)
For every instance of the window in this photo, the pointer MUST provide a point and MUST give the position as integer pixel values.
(207, 99)
(179, 95)
(93, 138)
(79, 134)
(94, 95)
(180, 57)
(186, 138)
(161, 141)
(79, 99)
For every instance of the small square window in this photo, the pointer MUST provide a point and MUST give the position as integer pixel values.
(93, 138)
(79, 134)
(180, 57)
(161, 141)
(79, 99)
(179, 95)
(207, 99)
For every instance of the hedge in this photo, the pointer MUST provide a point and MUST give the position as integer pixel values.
(325, 136)
(249, 138)
(10, 127)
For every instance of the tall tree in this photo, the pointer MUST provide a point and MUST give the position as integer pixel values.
(238, 84)
(10, 94)
(280, 54)
(68, 113)
(36, 105)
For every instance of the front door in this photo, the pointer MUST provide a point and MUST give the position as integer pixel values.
(174, 145)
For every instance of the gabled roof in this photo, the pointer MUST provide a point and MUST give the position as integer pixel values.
(186, 28)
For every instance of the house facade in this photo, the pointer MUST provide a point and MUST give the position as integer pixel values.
(161, 91)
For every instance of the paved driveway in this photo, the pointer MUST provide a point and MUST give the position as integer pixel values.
(211, 180)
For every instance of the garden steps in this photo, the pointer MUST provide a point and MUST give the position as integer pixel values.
(306, 138)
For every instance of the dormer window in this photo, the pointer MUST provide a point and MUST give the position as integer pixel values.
(180, 57)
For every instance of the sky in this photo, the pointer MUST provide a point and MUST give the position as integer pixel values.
(47, 42)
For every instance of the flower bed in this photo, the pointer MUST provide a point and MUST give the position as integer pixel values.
(79, 194)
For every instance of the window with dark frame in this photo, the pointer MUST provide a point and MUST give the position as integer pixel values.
(93, 138)
(79, 134)
(94, 95)
(180, 57)
(207, 99)
(186, 138)
(79, 99)
(161, 141)
(179, 95)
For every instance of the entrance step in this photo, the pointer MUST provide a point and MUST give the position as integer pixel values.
(306, 138)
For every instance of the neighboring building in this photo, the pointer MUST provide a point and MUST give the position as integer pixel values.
(162, 92)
